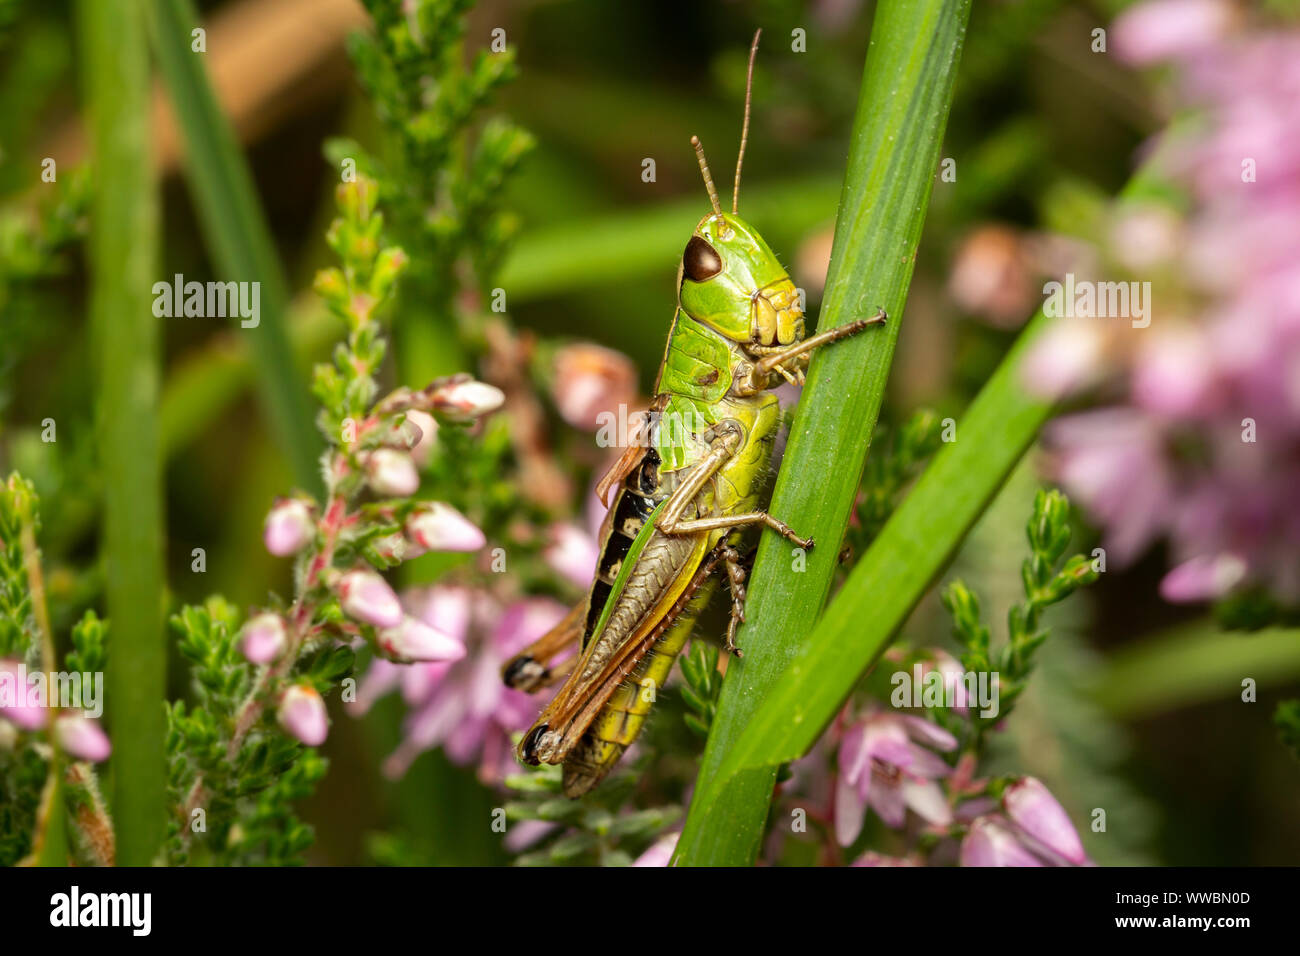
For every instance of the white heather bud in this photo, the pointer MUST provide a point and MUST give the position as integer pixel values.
(82, 738)
(392, 473)
(467, 400)
(427, 425)
(413, 640)
(289, 527)
(264, 638)
(367, 597)
(302, 714)
(435, 526)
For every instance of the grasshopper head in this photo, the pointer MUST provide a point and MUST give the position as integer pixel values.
(731, 281)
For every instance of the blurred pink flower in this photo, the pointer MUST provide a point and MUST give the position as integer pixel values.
(660, 852)
(589, 380)
(1033, 809)
(289, 526)
(435, 526)
(463, 706)
(367, 597)
(1205, 449)
(264, 638)
(82, 738)
(885, 762)
(17, 704)
(1165, 29)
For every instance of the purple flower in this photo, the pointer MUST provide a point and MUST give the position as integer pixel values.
(991, 842)
(414, 640)
(392, 473)
(435, 526)
(1035, 811)
(264, 638)
(884, 765)
(1169, 29)
(573, 553)
(367, 597)
(462, 706)
(289, 527)
(16, 703)
(302, 714)
(82, 738)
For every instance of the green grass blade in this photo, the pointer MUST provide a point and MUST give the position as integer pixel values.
(123, 267)
(236, 231)
(907, 90)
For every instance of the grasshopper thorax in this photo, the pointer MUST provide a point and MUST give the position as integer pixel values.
(731, 281)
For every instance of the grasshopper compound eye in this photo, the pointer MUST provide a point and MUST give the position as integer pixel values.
(701, 261)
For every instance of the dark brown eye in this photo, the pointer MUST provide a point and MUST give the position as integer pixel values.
(701, 261)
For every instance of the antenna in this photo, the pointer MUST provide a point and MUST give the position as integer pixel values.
(744, 129)
(708, 177)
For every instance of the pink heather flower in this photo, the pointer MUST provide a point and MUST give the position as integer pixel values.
(883, 765)
(302, 714)
(264, 638)
(590, 380)
(462, 706)
(367, 597)
(660, 852)
(991, 276)
(1035, 811)
(392, 473)
(872, 858)
(413, 640)
(1203, 578)
(1170, 29)
(1066, 357)
(573, 553)
(427, 426)
(435, 526)
(16, 703)
(1172, 459)
(466, 400)
(991, 842)
(289, 527)
(82, 738)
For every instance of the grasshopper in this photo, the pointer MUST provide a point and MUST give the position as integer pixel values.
(684, 497)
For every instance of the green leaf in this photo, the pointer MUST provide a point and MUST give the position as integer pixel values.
(907, 89)
(235, 230)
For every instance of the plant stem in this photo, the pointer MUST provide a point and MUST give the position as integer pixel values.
(907, 88)
(123, 254)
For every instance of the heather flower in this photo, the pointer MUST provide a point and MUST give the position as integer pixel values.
(15, 703)
(1035, 812)
(872, 858)
(82, 738)
(886, 762)
(1204, 448)
(414, 640)
(392, 473)
(367, 597)
(465, 400)
(427, 426)
(992, 842)
(590, 380)
(435, 526)
(289, 527)
(302, 714)
(573, 553)
(264, 638)
(463, 706)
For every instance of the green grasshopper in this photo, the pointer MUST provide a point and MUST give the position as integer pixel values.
(684, 497)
